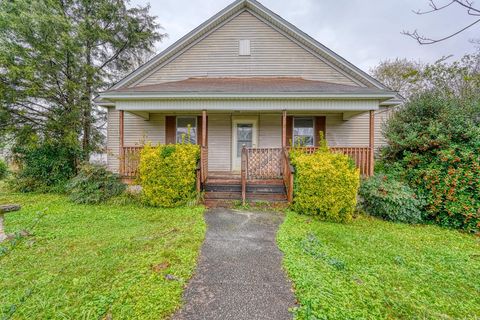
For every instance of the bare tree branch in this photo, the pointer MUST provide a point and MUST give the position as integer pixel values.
(466, 4)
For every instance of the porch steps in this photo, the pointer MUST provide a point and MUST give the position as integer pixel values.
(225, 190)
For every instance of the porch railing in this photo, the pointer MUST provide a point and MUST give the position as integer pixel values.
(360, 155)
(203, 164)
(130, 161)
(288, 174)
(257, 164)
(264, 163)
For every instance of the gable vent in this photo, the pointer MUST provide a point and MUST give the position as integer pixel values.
(244, 47)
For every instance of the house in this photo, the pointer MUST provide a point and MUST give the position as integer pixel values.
(246, 82)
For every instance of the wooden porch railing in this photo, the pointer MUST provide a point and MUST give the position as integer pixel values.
(130, 161)
(263, 163)
(256, 163)
(288, 174)
(203, 164)
(360, 155)
(243, 174)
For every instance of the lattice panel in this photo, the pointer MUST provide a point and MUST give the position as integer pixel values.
(264, 163)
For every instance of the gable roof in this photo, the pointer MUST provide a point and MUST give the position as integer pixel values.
(265, 14)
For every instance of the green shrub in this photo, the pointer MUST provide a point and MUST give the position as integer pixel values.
(3, 169)
(45, 167)
(168, 174)
(326, 184)
(386, 197)
(94, 184)
(434, 144)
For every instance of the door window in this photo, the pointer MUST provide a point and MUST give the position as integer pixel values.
(244, 136)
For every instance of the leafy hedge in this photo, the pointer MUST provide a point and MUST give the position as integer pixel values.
(168, 174)
(44, 167)
(326, 184)
(94, 184)
(386, 197)
(3, 169)
(434, 146)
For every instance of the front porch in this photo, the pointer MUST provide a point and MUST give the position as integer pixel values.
(249, 164)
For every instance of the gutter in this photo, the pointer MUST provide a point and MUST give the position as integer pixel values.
(113, 96)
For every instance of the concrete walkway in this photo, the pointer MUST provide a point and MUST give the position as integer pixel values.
(239, 274)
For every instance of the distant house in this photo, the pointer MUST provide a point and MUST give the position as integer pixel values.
(246, 78)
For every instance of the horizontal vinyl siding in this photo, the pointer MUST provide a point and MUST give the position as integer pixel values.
(381, 116)
(113, 139)
(219, 142)
(352, 132)
(272, 54)
(270, 131)
(139, 131)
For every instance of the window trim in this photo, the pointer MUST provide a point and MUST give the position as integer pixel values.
(313, 126)
(196, 127)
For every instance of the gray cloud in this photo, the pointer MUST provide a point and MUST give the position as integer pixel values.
(363, 32)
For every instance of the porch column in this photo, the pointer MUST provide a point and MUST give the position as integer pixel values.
(121, 137)
(204, 128)
(284, 129)
(371, 143)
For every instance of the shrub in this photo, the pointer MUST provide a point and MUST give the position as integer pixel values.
(167, 174)
(44, 167)
(434, 143)
(94, 184)
(326, 184)
(3, 169)
(386, 197)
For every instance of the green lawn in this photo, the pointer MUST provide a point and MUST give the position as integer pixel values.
(371, 269)
(91, 262)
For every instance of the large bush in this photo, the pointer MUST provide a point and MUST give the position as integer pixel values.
(3, 169)
(326, 184)
(94, 184)
(168, 174)
(434, 143)
(44, 167)
(386, 197)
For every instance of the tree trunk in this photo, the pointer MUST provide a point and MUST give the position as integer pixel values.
(87, 107)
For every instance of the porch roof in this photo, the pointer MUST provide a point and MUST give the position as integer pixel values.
(244, 87)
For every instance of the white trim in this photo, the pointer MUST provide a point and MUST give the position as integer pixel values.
(197, 95)
(236, 163)
(186, 117)
(247, 105)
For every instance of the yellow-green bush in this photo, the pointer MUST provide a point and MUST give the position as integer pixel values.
(168, 173)
(326, 184)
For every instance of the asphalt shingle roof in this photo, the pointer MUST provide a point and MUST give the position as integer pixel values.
(251, 85)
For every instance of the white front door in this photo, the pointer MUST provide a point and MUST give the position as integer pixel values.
(244, 133)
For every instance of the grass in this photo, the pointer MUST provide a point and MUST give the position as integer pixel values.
(94, 262)
(372, 269)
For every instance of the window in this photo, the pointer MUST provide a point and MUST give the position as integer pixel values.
(187, 130)
(244, 47)
(303, 132)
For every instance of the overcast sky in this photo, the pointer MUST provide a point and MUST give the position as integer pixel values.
(362, 31)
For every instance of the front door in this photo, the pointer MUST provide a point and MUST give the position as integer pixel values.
(244, 133)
